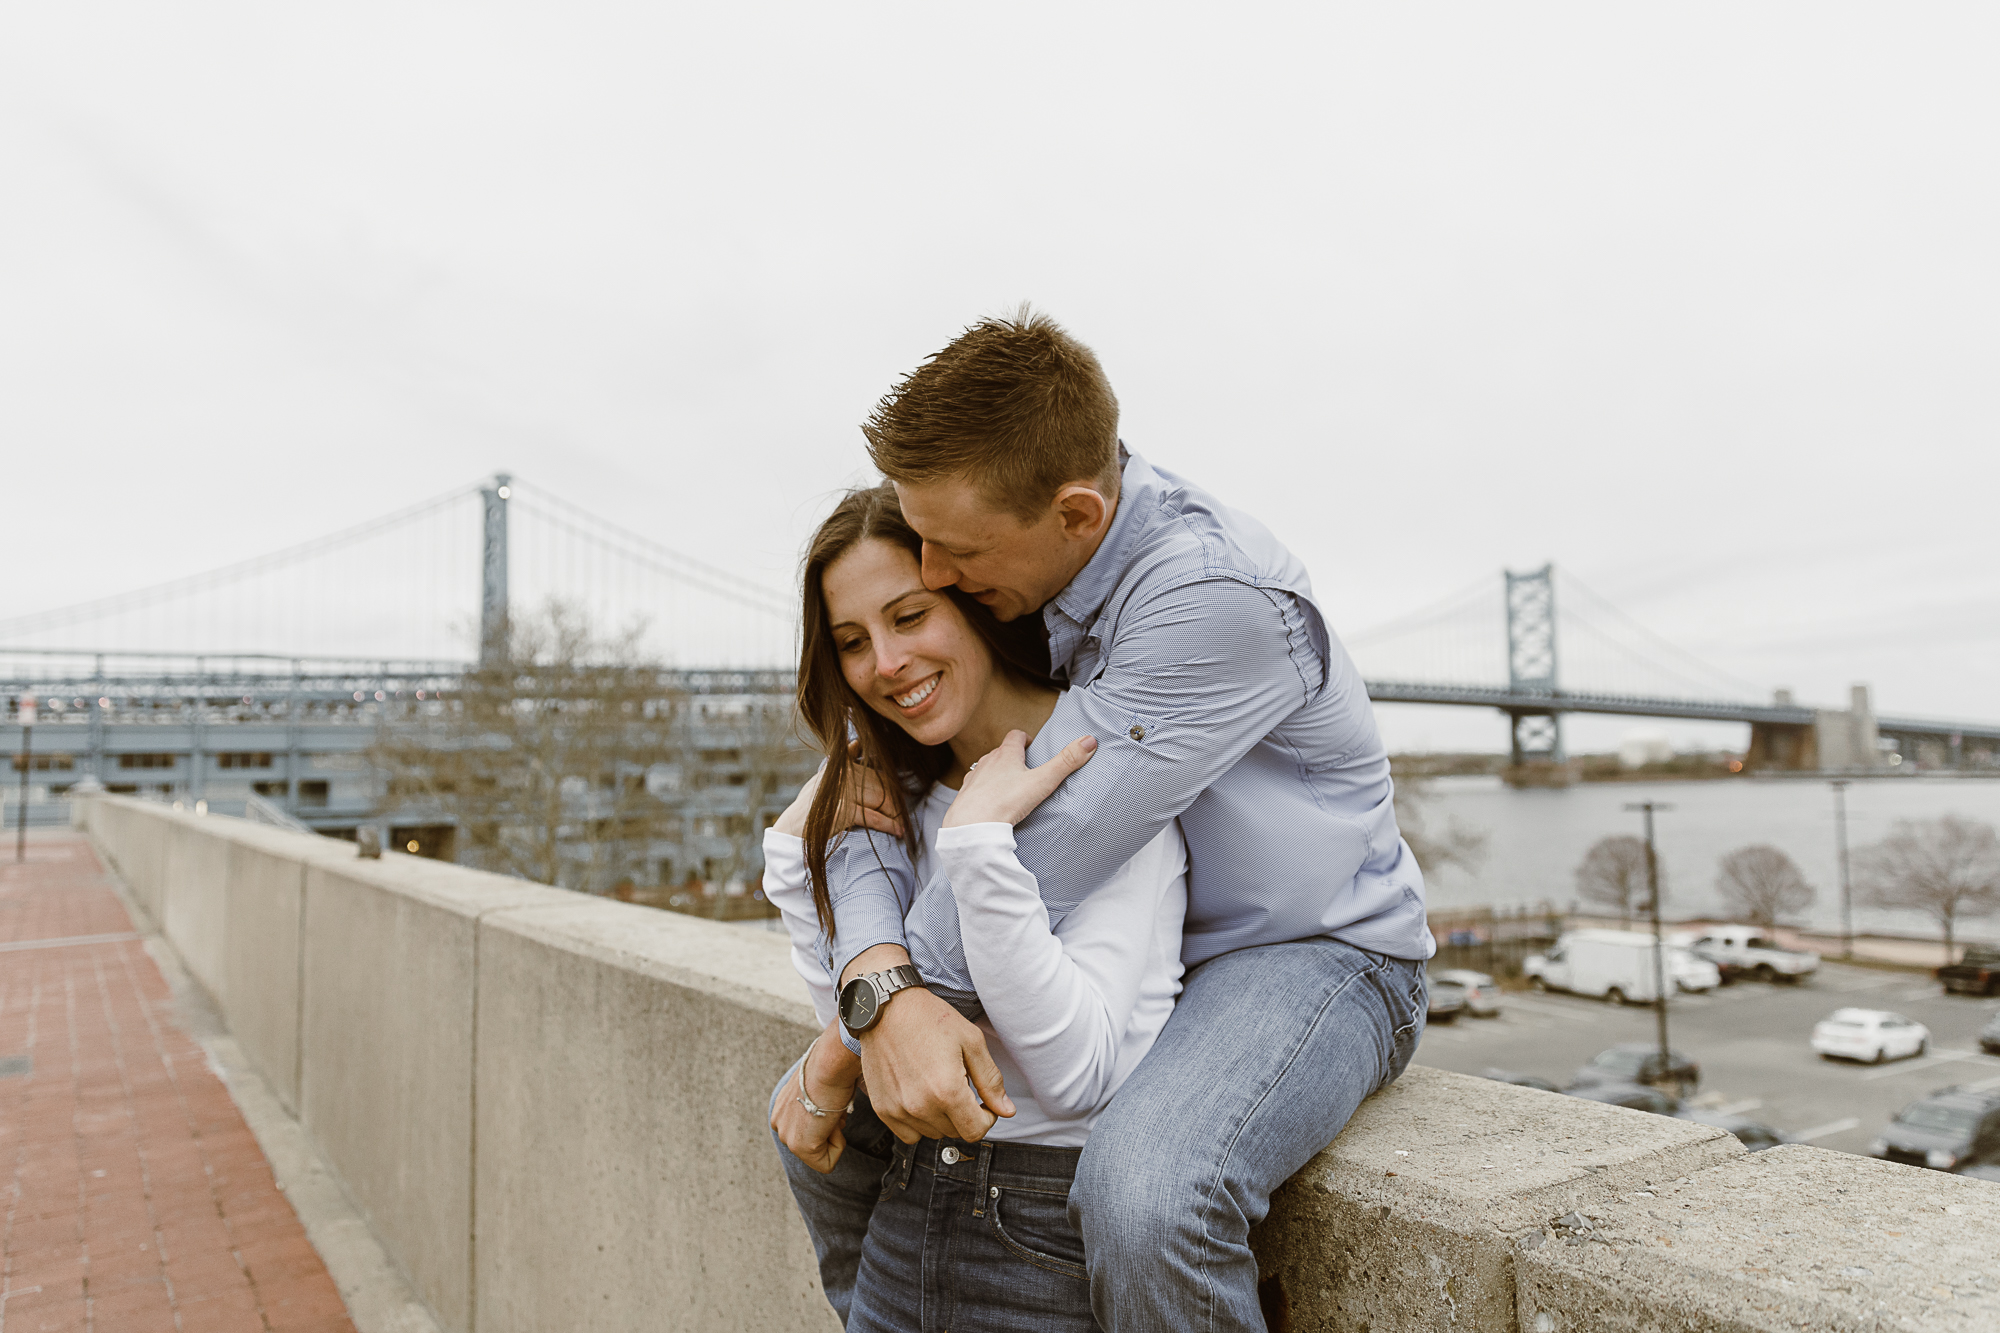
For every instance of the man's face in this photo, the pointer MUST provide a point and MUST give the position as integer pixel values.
(1011, 566)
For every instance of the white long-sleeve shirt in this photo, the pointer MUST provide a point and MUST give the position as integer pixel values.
(1069, 1013)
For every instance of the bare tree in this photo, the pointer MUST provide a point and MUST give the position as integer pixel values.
(1949, 868)
(1454, 844)
(1760, 884)
(1613, 874)
(542, 760)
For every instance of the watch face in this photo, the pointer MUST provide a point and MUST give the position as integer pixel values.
(857, 1004)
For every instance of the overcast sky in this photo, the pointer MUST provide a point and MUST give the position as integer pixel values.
(1698, 302)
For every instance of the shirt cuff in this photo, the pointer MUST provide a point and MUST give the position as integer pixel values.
(976, 837)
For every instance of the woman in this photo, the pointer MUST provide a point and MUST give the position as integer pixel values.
(980, 1231)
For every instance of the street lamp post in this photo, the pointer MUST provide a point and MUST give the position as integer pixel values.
(27, 762)
(1659, 942)
(1839, 786)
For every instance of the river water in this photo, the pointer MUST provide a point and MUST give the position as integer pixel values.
(1535, 838)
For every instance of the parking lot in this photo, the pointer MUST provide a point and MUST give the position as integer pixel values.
(1750, 1041)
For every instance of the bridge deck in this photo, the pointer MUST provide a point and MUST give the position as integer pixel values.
(1707, 710)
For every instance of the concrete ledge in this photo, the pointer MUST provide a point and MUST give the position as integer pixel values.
(1793, 1238)
(625, 1058)
(194, 908)
(388, 1046)
(550, 1109)
(1409, 1219)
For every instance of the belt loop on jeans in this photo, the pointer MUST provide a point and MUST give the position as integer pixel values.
(980, 1195)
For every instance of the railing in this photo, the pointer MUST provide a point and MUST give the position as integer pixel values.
(1492, 940)
(260, 811)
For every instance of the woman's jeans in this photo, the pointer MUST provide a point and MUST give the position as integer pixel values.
(973, 1238)
(1264, 1060)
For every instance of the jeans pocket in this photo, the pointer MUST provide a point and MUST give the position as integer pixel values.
(1410, 1024)
(1035, 1227)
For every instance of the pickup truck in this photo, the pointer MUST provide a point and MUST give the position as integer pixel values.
(1740, 951)
(1977, 973)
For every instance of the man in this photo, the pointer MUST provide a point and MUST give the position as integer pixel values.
(1194, 652)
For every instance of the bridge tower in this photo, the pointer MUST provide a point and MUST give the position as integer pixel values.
(493, 572)
(1531, 664)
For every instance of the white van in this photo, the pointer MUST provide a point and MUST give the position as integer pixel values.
(1616, 964)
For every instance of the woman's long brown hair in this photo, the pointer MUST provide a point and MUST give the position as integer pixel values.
(831, 710)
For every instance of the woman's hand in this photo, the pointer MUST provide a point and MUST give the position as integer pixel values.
(865, 804)
(831, 1073)
(1000, 788)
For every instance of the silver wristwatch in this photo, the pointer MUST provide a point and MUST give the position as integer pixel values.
(861, 999)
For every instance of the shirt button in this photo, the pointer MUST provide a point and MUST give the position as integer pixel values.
(1137, 733)
(949, 1156)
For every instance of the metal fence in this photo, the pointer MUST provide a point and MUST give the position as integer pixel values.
(1493, 940)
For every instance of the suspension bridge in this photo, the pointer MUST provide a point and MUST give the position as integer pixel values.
(268, 676)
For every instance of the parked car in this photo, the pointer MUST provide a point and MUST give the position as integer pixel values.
(1631, 1096)
(1639, 1062)
(1482, 993)
(1977, 973)
(1951, 1127)
(1616, 964)
(1750, 1133)
(1873, 1035)
(1745, 951)
(1447, 1000)
(1989, 1036)
(1519, 1080)
(1693, 974)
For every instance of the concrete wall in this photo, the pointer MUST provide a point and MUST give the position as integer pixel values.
(551, 1110)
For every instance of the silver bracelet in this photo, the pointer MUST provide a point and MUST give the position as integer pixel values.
(805, 1098)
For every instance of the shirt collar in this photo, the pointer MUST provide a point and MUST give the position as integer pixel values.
(1084, 596)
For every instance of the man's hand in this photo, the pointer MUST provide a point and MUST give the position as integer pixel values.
(865, 804)
(830, 1074)
(1002, 789)
(917, 1058)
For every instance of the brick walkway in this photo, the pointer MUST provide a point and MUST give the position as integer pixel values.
(135, 1197)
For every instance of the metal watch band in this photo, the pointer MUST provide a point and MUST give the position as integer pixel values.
(877, 987)
(890, 980)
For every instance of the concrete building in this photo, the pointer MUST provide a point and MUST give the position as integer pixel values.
(216, 732)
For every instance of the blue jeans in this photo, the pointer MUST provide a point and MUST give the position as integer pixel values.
(1264, 1060)
(973, 1238)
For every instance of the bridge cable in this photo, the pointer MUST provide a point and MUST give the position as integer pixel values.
(659, 556)
(153, 595)
(1599, 603)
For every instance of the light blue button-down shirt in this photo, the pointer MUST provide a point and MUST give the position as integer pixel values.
(1196, 655)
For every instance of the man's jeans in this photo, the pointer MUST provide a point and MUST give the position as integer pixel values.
(1264, 1060)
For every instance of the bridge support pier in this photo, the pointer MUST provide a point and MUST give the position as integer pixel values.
(1536, 751)
(1537, 738)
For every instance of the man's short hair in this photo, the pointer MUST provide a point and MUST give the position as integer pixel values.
(1013, 404)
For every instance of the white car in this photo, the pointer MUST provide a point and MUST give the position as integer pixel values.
(1482, 993)
(1873, 1035)
(1693, 974)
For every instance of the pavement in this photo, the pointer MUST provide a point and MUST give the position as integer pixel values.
(1750, 1041)
(137, 1197)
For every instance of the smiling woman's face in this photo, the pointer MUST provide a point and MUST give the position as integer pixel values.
(904, 649)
